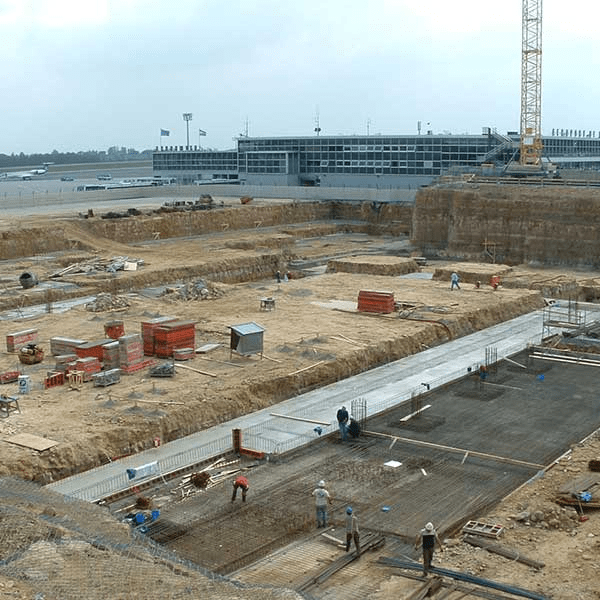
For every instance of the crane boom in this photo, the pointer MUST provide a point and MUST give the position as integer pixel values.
(531, 84)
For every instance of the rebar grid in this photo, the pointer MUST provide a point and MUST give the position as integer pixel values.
(54, 547)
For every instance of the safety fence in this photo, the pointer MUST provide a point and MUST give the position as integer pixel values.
(107, 480)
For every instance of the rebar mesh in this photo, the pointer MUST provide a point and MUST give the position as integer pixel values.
(55, 548)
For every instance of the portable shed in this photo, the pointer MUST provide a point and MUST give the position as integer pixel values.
(246, 339)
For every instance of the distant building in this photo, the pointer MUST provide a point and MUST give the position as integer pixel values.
(382, 161)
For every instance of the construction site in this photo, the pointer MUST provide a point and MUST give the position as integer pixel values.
(477, 406)
(425, 360)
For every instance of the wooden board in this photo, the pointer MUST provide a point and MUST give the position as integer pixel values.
(207, 348)
(32, 441)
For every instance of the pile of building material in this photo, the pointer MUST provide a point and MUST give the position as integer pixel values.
(376, 302)
(105, 301)
(148, 329)
(15, 341)
(174, 335)
(100, 265)
(206, 478)
(197, 290)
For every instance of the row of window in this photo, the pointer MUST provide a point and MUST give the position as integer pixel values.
(447, 147)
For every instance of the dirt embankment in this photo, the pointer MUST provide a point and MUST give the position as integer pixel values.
(94, 425)
(509, 224)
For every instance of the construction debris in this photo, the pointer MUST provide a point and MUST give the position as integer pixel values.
(581, 492)
(197, 290)
(205, 202)
(203, 479)
(166, 369)
(100, 265)
(106, 301)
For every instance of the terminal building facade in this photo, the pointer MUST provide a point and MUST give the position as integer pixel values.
(382, 161)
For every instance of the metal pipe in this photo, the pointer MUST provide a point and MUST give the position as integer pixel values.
(394, 562)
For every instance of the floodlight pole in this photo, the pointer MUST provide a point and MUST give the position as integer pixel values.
(187, 117)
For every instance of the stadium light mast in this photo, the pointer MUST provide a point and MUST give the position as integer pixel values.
(187, 117)
(531, 84)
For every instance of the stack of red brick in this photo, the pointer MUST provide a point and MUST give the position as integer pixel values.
(376, 302)
(148, 329)
(172, 336)
(15, 341)
(131, 353)
(88, 366)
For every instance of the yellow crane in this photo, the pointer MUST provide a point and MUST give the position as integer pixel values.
(531, 85)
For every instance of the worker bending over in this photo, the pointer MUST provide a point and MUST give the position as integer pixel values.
(240, 482)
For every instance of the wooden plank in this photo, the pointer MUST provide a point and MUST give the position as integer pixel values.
(420, 593)
(35, 442)
(271, 359)
(195, 370)
(207, 348)
(307, 368)
(503, 551)
(223, 362)
(300, 419)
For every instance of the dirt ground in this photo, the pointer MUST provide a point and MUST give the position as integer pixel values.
(314, 327)
(538, 528)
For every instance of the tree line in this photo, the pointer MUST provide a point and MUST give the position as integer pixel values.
(71, 158)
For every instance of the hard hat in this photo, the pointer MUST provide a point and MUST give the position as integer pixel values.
(429, 526)
(321, 483)
(349, 510)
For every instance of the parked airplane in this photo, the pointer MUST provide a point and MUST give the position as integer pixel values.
(25, 175)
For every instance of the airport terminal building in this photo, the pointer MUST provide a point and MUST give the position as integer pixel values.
(376, 161)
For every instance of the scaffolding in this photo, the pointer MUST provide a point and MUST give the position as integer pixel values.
(562, 316)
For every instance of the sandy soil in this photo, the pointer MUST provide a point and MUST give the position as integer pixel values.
(540, 529)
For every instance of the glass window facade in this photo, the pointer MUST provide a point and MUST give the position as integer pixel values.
(420, 155)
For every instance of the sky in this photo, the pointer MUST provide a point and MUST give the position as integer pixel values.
(82, 75)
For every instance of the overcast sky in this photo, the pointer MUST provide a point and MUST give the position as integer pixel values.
(90, 74)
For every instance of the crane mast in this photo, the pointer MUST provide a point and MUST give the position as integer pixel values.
(531, 84)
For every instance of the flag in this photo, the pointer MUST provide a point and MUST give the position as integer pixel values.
(164, 132)
(201, 132)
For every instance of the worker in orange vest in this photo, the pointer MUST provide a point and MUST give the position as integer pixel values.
(240, 482)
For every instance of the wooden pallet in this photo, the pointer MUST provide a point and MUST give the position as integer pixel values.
(485, 529)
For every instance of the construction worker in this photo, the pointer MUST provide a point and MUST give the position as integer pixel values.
(322, 498)
(352, 530)
(454, 278)
(353, 427)
(342, 417)
(240, 482)
(427, 538)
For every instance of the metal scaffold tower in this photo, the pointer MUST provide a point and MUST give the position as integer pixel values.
(531, 84)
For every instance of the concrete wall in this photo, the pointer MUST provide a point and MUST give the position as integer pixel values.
(519, 224)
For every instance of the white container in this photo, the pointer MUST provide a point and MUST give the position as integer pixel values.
(24, 384)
